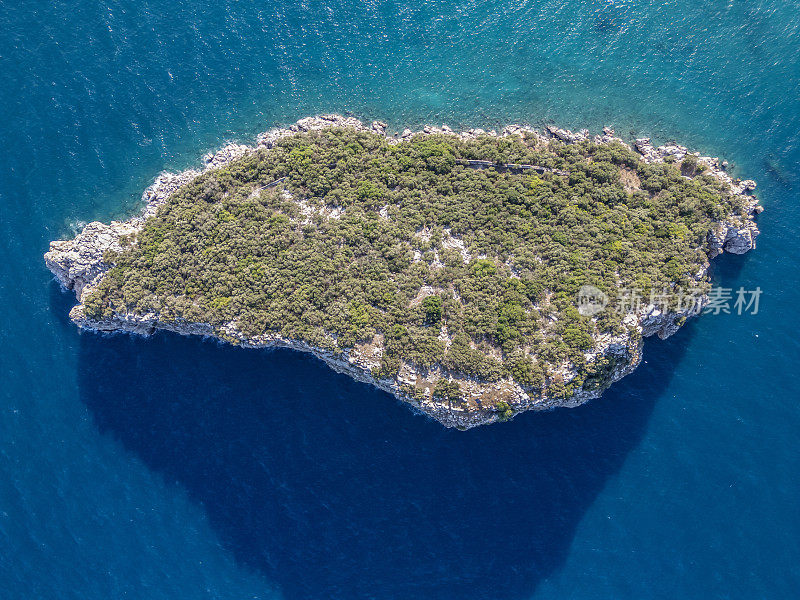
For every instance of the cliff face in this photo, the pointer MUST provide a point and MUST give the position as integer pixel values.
(79, 265)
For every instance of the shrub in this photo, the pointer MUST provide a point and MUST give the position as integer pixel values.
(432, 306)
(234, 246)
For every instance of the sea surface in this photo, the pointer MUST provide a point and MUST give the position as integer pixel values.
(169, 467)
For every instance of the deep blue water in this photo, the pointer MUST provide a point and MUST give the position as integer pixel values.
(178, 468)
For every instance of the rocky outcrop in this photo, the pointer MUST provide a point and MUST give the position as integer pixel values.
(733, 237)
(567, 136)
(80, 264)
(734, 234)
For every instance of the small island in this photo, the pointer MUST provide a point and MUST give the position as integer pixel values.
(452, 270)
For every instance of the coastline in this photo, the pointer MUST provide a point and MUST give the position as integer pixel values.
(78, 265)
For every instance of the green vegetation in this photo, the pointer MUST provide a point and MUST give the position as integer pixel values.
(343, 247)
(504, 410)
(432, 307)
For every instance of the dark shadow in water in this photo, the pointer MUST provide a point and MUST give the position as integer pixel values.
(606, 23)
(61, 302)
(725, 269)
(780, 171)
(332, 489)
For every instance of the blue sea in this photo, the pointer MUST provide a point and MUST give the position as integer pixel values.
(170, 467)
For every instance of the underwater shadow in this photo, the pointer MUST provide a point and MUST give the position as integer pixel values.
(725, 269)
(332, 489)
(61, 302)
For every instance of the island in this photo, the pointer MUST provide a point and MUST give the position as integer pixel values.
(474, 275)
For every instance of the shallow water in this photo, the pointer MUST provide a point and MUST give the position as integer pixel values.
(172, 467)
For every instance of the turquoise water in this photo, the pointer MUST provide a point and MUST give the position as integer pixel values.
(177, 468)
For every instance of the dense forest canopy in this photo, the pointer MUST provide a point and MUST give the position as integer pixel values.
(337, 237)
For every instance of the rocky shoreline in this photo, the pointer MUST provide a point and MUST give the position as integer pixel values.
(78, 265)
